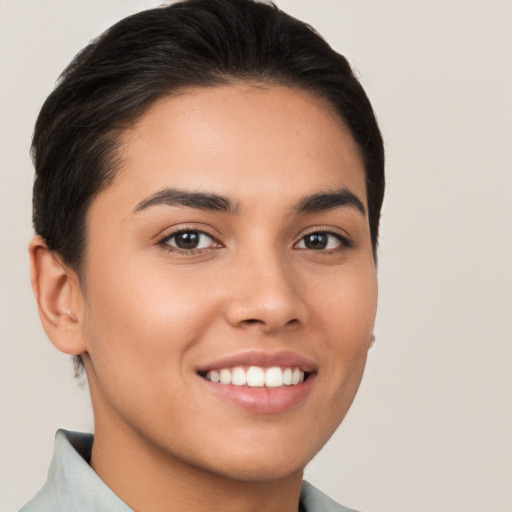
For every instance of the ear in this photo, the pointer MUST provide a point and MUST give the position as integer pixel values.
(59, 298)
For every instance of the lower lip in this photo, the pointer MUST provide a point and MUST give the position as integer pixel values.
(263, 400)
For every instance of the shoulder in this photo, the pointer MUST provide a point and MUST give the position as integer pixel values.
(313, 500)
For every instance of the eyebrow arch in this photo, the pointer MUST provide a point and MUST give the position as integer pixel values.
(329, 200)
(200, 200)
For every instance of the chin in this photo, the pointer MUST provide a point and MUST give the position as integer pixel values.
(261, 472)
(264, 461)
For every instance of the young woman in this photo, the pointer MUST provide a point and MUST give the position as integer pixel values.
(209, 178)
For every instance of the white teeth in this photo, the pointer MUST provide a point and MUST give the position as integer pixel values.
(225, 376)
(238, 377)
(274, 377)
(255, 376)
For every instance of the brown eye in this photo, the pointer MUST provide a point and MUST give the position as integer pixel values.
(316, 241)
(320, 241)
(189, 240)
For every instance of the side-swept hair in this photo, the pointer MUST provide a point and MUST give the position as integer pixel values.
(116, 78)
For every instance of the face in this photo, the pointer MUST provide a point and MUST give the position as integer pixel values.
(230, 283)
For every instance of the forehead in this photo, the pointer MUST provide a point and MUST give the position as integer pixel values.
(262, 140)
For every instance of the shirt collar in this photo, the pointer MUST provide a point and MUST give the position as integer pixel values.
(72, 485)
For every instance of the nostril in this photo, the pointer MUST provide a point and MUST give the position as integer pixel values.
(254, 321)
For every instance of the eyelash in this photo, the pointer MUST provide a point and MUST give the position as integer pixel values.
(165, 241)
(344, 242)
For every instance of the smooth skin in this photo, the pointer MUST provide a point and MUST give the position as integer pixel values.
(259, 277)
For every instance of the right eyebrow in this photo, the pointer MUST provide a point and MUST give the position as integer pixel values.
(199, 200)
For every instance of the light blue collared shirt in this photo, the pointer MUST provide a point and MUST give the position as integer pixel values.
(73, 486)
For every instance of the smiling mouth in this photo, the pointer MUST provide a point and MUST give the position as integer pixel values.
(257, 376)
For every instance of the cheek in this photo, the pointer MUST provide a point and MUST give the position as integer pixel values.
(148, 318)
(346, 315)
(347, 303)
(141, 334)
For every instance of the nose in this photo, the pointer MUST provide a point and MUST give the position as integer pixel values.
(265, 295)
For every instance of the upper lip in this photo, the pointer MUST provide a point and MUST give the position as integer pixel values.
(285, 359)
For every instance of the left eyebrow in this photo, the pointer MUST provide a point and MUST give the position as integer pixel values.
(329, 200)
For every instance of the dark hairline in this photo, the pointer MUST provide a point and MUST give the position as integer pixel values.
(110, 136)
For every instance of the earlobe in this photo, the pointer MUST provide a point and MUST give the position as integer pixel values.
(58, 296)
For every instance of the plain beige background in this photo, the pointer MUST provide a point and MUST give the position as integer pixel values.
(431, 428)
